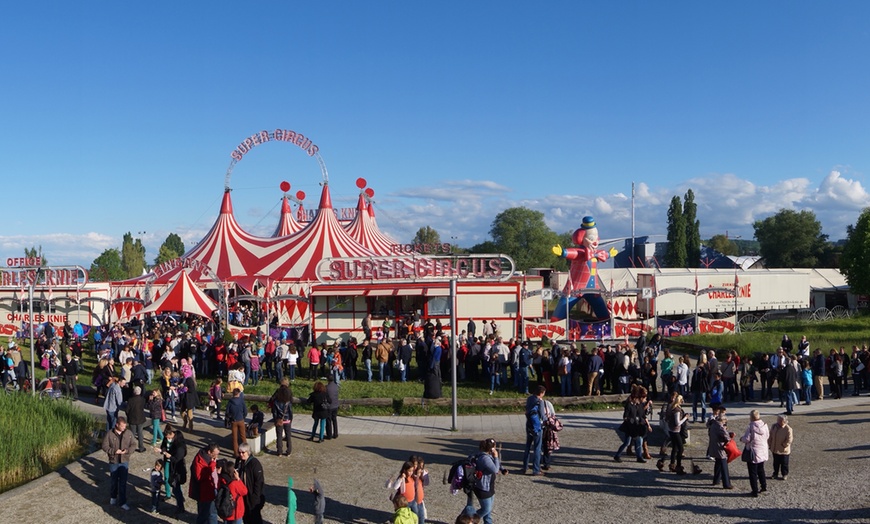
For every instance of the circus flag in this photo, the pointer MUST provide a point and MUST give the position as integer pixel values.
(183, 296)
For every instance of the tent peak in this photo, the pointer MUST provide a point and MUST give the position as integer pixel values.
(325, 199)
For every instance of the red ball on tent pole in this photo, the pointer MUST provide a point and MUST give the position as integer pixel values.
(360, 183)
(300, 195)
(285, 186)
(370, 192)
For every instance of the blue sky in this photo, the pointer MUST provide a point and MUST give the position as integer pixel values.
(121, 117)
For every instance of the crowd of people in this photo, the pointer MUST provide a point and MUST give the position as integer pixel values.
(169, 355)
(713, 383)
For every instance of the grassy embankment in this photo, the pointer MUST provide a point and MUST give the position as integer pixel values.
(39, 435)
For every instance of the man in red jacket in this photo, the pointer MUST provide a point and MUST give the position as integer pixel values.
(204, 484)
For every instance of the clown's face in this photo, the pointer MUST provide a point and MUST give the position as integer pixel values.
(591, 238)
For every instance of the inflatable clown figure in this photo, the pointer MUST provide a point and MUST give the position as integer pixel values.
(583, 274)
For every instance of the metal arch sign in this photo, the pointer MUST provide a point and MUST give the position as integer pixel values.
(278, 135)
(405, 269)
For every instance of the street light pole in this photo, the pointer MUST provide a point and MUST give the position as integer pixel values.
(32, 342)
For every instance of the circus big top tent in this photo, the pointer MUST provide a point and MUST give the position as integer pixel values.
(279, 274)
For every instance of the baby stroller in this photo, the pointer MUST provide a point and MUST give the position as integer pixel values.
(50, 387)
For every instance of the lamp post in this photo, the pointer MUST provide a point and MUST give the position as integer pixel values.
(37, 271)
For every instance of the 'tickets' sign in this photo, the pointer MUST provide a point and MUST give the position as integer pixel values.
(415, 268)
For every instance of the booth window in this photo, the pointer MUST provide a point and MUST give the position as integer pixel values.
(439, 306)
(382, 307)
(411, 304)
(334, 303)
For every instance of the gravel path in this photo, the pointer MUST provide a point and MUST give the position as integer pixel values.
(830, 471)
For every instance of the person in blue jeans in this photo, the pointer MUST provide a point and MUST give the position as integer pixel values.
(488, 465)
(534, 430)
(118, 444)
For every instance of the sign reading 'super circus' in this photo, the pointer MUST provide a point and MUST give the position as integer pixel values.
(412, 269)
(279, 135)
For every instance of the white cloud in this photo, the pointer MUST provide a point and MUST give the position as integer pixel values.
(837, 191)
(61, 248)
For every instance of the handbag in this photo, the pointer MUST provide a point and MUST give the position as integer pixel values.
(732, 451)
(748, 455)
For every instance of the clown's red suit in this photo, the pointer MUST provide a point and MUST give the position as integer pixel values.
(583, 274)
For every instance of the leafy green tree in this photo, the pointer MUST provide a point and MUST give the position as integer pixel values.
(485, 247)
(426, 235)
(132, 256)
(855, 262)
(790, 239)
(693, 233)
(722, 244)
(107, 267)
(166, 254)
(676, 253)
(172, 248)
(33, 252)
(522, 234)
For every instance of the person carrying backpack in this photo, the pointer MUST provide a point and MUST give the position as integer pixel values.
(282, 416)
(230, 498)
(202, 485)
(534, 430)
(487, 465)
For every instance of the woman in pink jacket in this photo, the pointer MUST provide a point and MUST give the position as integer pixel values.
(756, 440)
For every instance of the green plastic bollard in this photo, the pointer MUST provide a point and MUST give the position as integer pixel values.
(291, 502)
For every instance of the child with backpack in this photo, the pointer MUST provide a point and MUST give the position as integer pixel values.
(215, 395)
(421, 479)
(405, 486)
(156, 484)
(230, 498)
(486, 466)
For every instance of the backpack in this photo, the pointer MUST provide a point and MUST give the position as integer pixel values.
(224, 502)
(193, 488)
(464, 475)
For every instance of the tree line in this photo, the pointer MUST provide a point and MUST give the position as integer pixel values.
(129, 261)
(787, 239)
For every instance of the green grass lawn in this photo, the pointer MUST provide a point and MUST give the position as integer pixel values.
(821, 335)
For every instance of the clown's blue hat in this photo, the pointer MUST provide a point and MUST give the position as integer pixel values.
(588, 223)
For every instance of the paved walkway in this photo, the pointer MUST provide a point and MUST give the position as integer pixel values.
(82, 486)
(509, 424)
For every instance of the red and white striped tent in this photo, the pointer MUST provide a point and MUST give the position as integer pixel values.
(283, 265)
(182, 296)
(295, 258)
(364, 229)
(228, 250)
(288, 224)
